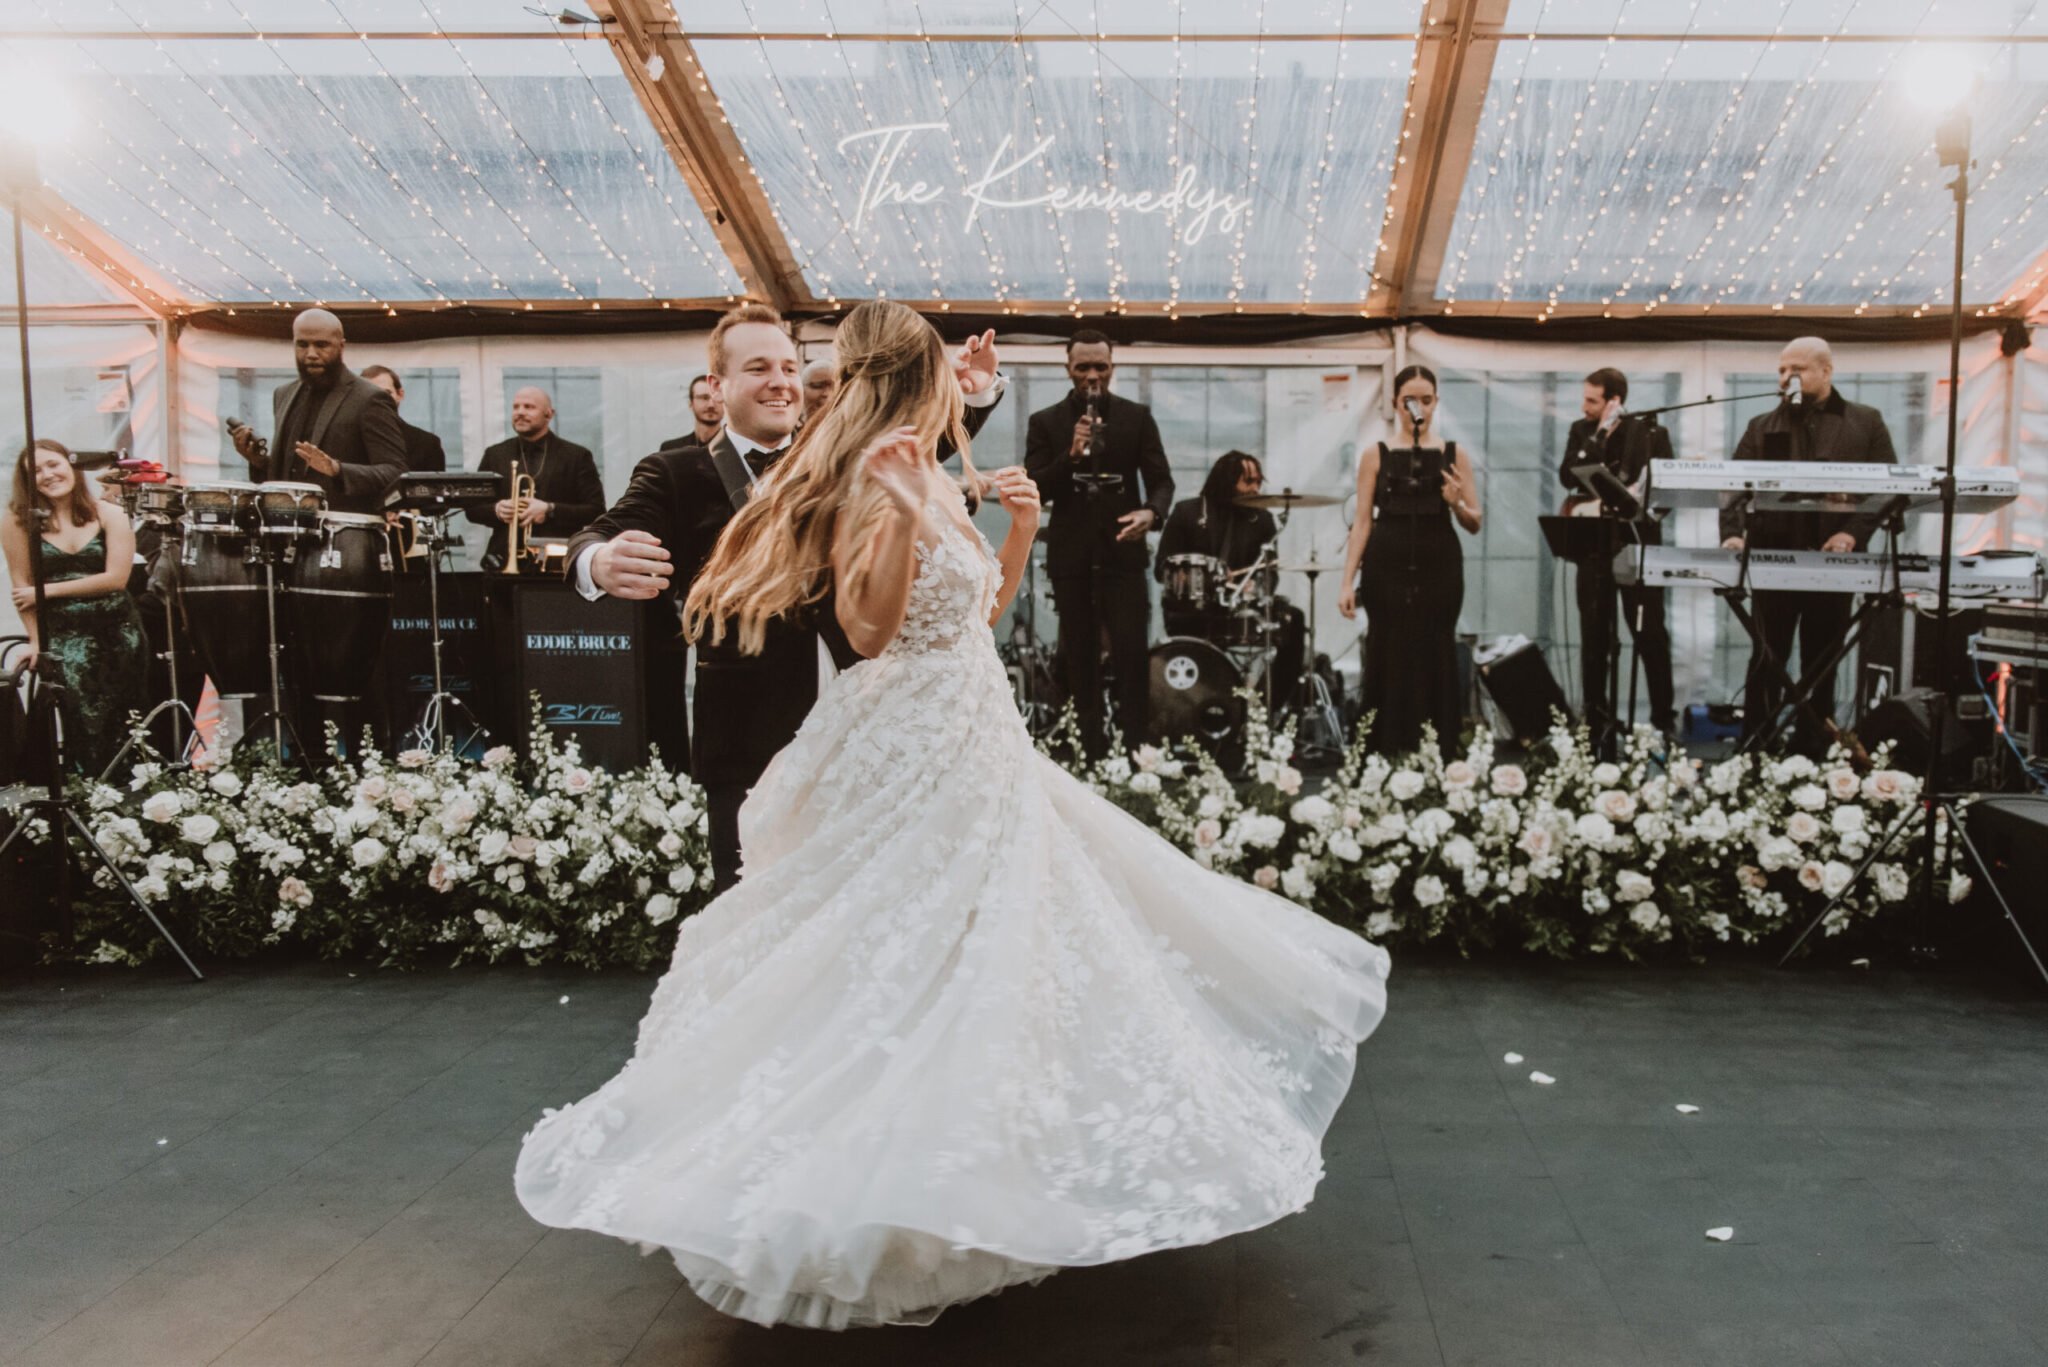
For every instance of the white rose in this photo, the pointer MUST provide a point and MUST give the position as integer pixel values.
(227, 783)
(1510, 781)
(1209, 807)
(1632, 886)
(682, 878)
(1778, 853)
(1429, 890)
(1835, 876)
(295, 892)
(1288, 780)
(402, 800)
(1313, 811)
(1172, 769)
(1892, 883)
(490, 849)
(1847, 820)
(161, 807)
(199, 828)
(1430, 827)
(1890, 785)
(1208, 832)
(372, 789)
(661, 908)
(1536, 842)
(498, 756)
(1959, 886)
(1645, 915)
(1594, 829)
(1297, 884)
(1346, 847)
(1405, 784)
(368, 851)
(670, 845)
(1459, 775)
(1615, 805)
(1383, 877)
(1380, 924)
(1812, 875)
(1803, 827)
(1653, 826)
(1116, 769)
(578, 781)
(1142, 782)
(1606, 775)
(220, 854)
(413, 759)
(1810, 797)
(1147, 758)
(1461, 854)
(1267, 877)
(1262, 832)
(1843, 784)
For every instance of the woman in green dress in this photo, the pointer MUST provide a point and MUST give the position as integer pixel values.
(92, 647)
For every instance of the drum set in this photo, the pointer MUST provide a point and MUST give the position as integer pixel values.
(268, 584)
(1197, 679)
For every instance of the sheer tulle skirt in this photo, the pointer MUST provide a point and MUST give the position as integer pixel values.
(963, 1023)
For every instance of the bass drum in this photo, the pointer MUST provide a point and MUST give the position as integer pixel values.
(1194, 691)
(219, 593)
(339, 606)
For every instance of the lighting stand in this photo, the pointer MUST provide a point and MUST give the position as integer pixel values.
(1952, 145)
(17, 170)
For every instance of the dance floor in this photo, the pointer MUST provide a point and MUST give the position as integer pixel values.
(297, 1165)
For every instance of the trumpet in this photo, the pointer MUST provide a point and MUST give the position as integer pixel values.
(518, 537)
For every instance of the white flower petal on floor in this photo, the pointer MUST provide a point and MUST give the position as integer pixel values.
(1721, 1234)
(1510, 1058)
(1684, 1109)
(1541, 1079)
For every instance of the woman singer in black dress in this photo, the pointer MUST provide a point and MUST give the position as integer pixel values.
(1403, 565)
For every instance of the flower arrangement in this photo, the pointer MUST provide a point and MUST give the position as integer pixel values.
(432, 856)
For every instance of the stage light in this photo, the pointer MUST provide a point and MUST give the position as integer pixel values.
(1939, 76)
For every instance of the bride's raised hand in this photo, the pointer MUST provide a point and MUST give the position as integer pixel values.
(893, 461)
(1018, 493)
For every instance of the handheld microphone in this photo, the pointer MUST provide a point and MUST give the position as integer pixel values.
(1092, 420)
(1414, 411)
(1794, 395)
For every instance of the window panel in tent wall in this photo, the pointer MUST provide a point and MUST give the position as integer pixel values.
(95, 390)
(578, 396)
(433, 400)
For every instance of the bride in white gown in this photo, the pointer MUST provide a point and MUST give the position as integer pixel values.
(963, 1022)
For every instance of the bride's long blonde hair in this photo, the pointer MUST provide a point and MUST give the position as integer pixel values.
(775, 556)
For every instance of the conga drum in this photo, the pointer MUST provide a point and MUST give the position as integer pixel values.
(217, 580)
(339, 606)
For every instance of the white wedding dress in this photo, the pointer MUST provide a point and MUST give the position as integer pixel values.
(963, 1023)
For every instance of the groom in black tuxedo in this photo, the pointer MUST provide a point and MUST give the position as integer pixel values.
(656, 539)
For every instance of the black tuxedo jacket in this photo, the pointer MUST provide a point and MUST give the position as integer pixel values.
(1081, 532)
(1626, 451)
(568, 479)
(748, 706)
(353, 421)
(1833, 429)
(423, 450)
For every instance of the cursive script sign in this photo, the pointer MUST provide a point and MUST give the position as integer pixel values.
(1196, 209)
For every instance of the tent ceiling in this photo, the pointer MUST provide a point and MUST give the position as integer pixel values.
(1532, 158)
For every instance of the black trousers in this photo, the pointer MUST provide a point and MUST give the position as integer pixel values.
(1817, 621)
(1118, 605)
(722, 811)
(1600, 642)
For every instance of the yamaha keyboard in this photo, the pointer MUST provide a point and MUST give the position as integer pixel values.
(1998, 574)
(1826, 486)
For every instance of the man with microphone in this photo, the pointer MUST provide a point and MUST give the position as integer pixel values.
(1089, 454)
(1813, 422)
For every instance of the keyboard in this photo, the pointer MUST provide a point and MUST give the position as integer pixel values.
(1826, 486)
(1995, 574)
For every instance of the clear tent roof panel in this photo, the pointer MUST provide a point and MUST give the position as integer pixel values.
(1741, 174)
(1040, 18)
(277, 16)
(390, 170)
(54, 276)
(1121, 170)
(1847, 18)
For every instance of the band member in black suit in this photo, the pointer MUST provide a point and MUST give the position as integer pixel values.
(707, 415)
(1215, 524)
(1626, 446)
(333, 428)
(1100, 466)
(653, 542)
(567, 492)
(821, 382)
(1814, 422)
(423, 449)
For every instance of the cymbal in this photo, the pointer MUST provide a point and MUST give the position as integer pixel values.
(1313, 567)
(1288, 498)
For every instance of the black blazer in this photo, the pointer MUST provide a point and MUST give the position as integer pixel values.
(1626, 451)
(357, 424)
(1081, 532)
(568, 479)
(423, 449)
(1832, 430)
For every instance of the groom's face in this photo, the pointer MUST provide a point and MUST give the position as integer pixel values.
(759, 387)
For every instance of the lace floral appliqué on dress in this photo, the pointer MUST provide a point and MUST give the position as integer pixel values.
(962, 1023)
